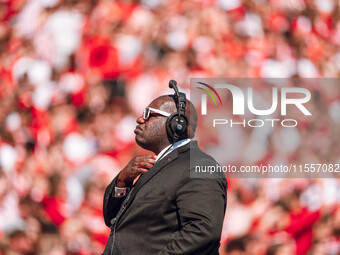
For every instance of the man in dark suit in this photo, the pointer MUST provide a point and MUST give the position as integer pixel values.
(167, 210)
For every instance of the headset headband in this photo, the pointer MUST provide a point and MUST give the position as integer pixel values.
(177, 122)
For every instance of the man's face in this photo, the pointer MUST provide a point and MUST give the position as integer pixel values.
(151, 133)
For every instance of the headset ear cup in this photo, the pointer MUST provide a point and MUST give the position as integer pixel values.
(184, 122)
(171, 125)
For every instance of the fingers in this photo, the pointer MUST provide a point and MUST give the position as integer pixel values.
(138, 165)
(135, 171)
(146, 165)
(145, 161)
(147, 158)
(142, 170)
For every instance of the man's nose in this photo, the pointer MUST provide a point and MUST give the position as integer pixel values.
(141, 120)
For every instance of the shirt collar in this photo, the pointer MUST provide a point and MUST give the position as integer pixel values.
(174, 146)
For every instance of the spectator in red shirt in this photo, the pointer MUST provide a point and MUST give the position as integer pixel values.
(301, 223)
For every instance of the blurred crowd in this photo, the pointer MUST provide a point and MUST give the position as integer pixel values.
(74, 75)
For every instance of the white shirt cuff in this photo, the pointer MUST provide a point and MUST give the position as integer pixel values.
(119, 192)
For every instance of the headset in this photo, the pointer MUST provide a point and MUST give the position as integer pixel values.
(177, 123)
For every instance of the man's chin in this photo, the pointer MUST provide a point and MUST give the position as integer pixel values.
(141, 143)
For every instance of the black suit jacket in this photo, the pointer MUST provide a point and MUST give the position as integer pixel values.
(167, 211)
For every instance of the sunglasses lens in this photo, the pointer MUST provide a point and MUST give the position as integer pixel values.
(146, 113)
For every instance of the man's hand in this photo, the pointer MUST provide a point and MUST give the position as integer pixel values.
(138, 165)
